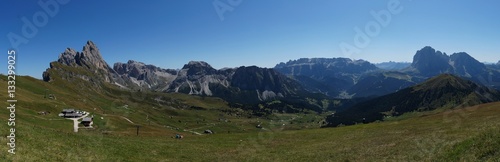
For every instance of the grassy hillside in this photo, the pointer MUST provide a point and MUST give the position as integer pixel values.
(440, 92)
(465, 134)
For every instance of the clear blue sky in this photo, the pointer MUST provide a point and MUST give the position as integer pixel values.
(169, 33)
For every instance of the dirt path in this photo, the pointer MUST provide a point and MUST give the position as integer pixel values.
(127, 119)
(197, 133)
(130, 121)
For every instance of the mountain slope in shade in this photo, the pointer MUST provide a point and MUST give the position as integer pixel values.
(443, 91)
(380, 83)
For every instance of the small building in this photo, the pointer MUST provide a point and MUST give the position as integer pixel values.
(71, 113)
(86, 121)
(68, 111)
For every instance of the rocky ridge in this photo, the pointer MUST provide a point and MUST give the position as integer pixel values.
(196, 77)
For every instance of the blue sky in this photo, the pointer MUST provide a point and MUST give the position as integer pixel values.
(169, 33)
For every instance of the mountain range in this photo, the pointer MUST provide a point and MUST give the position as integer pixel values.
(429, 62)
(242, 84)
(317, 84)
(443, 91)
(346, 78)
(391, 65)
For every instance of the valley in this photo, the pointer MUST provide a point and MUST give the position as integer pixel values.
(308, 109)
(245, 80)
(424, 136)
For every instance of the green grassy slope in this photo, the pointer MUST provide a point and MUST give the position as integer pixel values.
(453, 135)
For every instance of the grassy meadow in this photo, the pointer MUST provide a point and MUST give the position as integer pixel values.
(466, 134)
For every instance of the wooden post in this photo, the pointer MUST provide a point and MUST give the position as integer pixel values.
(138, 129)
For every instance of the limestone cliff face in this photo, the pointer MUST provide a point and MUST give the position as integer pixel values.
(89, 60)
(199, 78)
(139, 74)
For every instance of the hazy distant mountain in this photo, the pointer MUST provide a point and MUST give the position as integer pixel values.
(306, 66)
(391, 65)
(495, 66)
(346, 78)
(443, 91)
(330, 76)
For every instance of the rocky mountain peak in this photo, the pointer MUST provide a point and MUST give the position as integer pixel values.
(133, 68)
(134, 62)
(428, 53)
(90, 57)
(464, 57)
(139, 74)
(68, 57)
(198, 68)
(466, 65)
(430, 62)
(197, 64)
